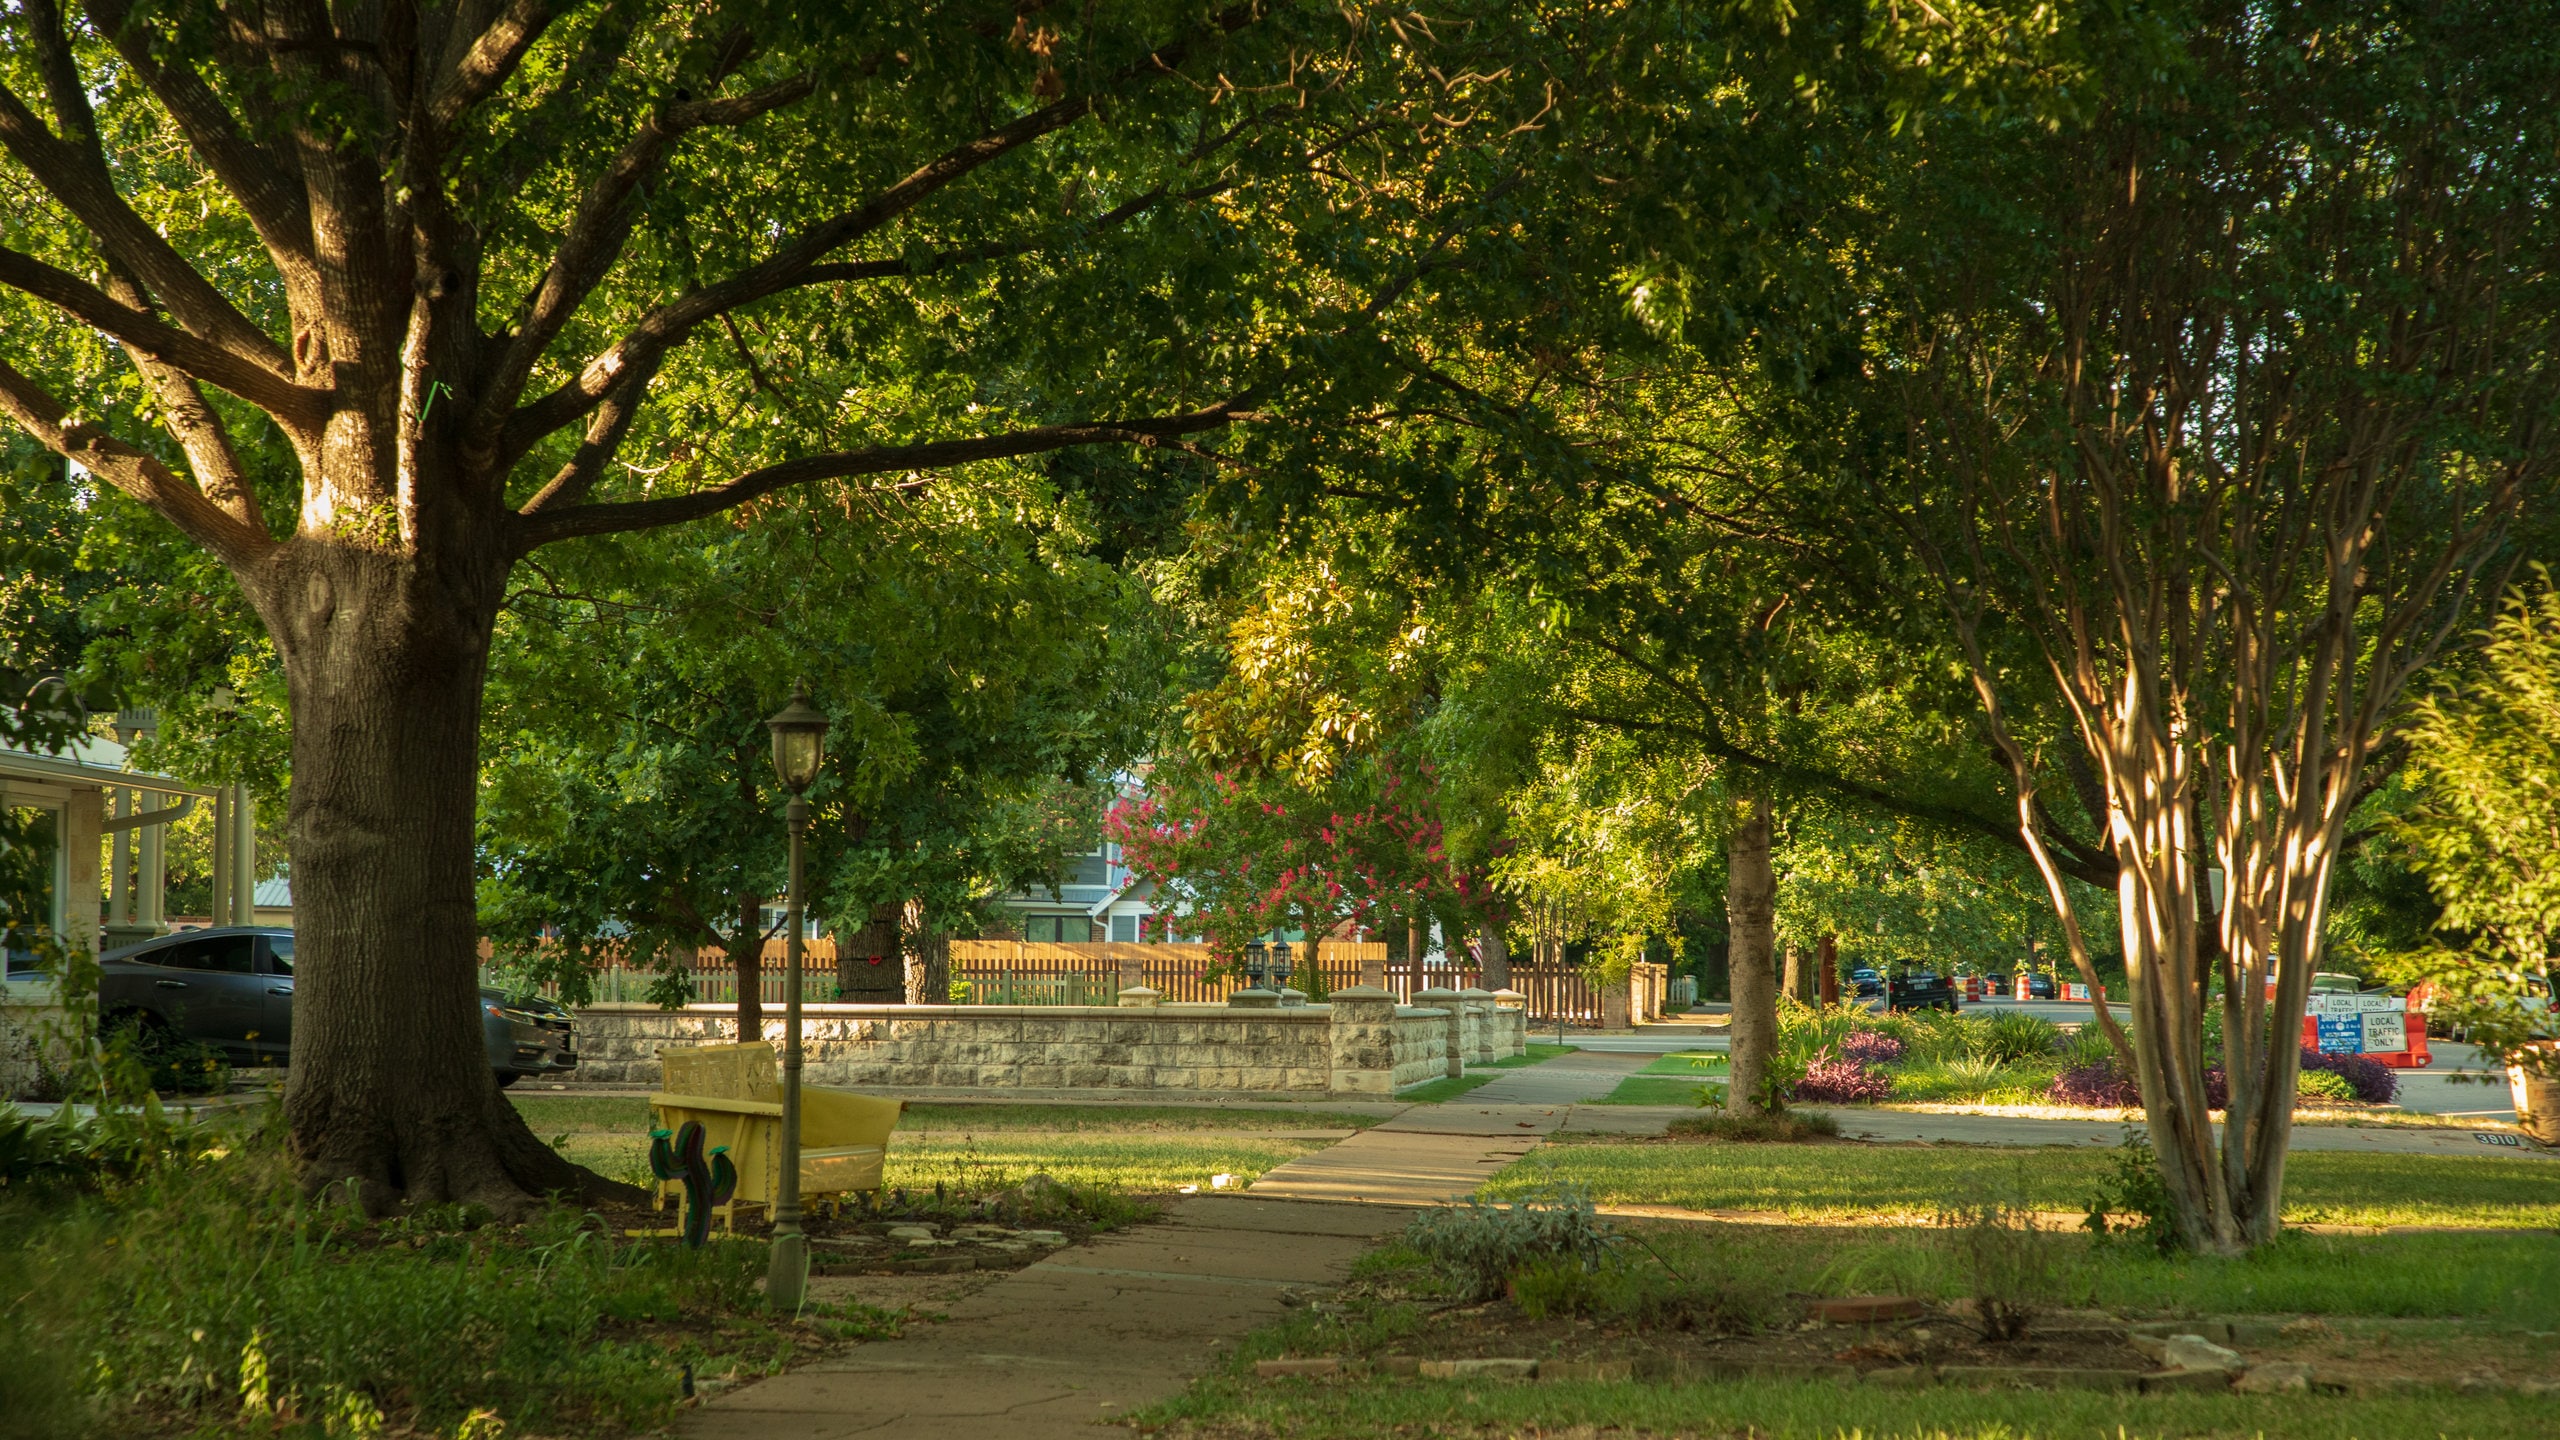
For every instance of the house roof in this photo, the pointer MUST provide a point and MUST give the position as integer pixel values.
(1134, 888)
(276, 894)
(91, 760)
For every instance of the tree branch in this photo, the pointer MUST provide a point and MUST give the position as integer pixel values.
(670, 324)
(207, 361)
(560, 524)
(89, 193)
(136, 472)
(605, 214)
(266, 183)
(1955, 819)
(491, 58)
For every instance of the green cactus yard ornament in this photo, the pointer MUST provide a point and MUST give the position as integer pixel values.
(708, 1181)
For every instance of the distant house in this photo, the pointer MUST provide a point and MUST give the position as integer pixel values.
(1099, 900)
(97, 825)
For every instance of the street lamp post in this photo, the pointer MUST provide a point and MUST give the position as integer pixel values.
(799, 745)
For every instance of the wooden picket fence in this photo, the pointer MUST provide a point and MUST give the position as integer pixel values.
(1011, 972)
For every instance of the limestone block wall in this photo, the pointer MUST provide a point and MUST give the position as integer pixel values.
(1044, 1047)
(1421, 1044)
(1361, 1044)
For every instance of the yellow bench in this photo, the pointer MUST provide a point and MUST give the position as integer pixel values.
(735, 1091)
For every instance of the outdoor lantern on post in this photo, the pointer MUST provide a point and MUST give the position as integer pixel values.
(799, 746)
(1279, 964)
(1257, 964)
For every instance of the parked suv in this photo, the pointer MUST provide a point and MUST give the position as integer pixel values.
(1919, 990)
(232, 989)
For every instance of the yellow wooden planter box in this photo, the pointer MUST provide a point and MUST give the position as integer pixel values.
(844, 1137)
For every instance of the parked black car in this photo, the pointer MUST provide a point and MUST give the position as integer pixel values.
(232, 989)
(1867, 981)
(1919, 990)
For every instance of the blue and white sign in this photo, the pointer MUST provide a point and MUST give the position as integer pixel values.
(2360, 1024)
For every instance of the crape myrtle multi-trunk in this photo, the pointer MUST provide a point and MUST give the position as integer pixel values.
(442, 421)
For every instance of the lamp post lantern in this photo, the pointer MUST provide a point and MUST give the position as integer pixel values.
(799, 746)
(1279, 964)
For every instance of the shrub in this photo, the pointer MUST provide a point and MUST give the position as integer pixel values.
(2086, 1046)
(2098, 1085)
(2135, 1190)
(2106, 1085)
(1478, 1246)
(2325, 1085)
(1871, 1047)
(2009, 1267)
(1783, 1127)
(1829, 1080)
(1805, 1032)
(1624, 1290)
(1940, 1035)
(2013, 1036)
(2373, 1081)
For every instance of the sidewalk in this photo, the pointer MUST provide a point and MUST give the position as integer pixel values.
(1435, 1153)
(1080, 1337)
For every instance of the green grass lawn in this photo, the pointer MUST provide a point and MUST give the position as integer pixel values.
(1671, 1080)
(1694, 1062)
(1849, 1180)
(1137, 1149)
(1785, 1411)
(2508, 1278)
(1155, 1164)
(1450, 1087)
(2499, 1292)
(1643, 1089)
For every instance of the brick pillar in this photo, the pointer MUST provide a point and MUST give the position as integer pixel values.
(1616, 1004)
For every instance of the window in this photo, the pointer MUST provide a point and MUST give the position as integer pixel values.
(279, 954)
(1124, 928)
(30, 885)
(221, 955)
(1056, 929)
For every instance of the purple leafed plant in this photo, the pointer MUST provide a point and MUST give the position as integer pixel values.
(2103, 1086)
(1870, 1047)
(2374, 1082)
(2099, 1085)
(1833, 1080)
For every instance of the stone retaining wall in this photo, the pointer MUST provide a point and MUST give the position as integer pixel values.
(1361, 1044)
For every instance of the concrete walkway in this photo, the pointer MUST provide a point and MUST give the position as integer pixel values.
(1080, 1337)
(1435, 1153)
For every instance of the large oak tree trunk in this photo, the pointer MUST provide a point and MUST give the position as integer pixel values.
(391, 1090)
(1494, 971)
(746, 961)
(1751, 906)
(928, 959)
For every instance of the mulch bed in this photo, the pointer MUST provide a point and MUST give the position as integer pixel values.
(2074, 1341)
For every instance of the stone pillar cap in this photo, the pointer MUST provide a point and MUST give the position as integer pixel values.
(1137, 996)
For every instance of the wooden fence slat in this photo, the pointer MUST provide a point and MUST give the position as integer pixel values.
(1014, 972)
